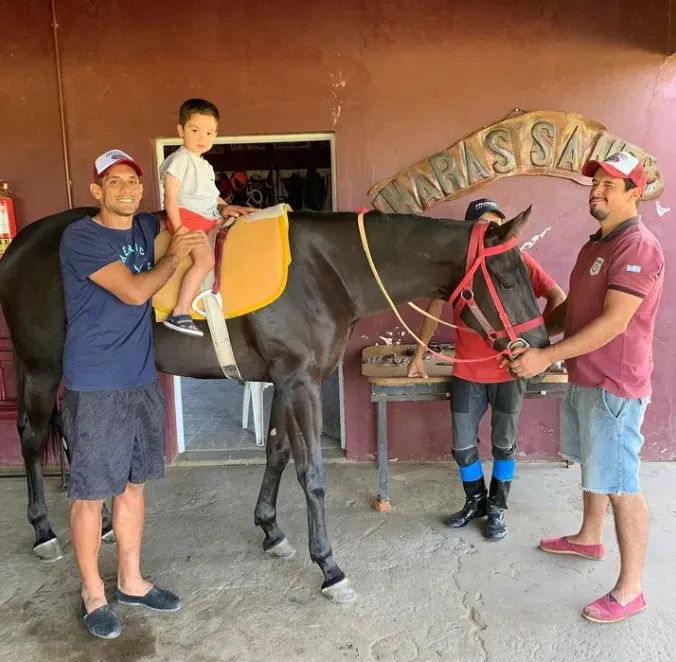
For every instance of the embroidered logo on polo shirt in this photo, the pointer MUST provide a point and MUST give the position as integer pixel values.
(634, 268)
(596, 267)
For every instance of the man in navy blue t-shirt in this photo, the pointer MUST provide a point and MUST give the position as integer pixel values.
(113, 407)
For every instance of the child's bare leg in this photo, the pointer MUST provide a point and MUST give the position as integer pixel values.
(203, 263)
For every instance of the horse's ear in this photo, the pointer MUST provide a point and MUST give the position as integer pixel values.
(498, 234)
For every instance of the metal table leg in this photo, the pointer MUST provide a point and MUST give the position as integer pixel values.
(382, 503)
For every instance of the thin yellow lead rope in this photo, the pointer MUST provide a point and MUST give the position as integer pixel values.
(432, 317)
(367, 252)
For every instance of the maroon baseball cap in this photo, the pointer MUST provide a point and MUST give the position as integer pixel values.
(623, 165)
(112, 158)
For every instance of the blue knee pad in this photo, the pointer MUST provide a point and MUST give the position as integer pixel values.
(472, 472)
(504, 469)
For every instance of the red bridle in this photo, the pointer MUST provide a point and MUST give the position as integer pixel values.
(464, 294)
(476, 259)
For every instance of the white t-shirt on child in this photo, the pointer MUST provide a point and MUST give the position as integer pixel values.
(198, 191)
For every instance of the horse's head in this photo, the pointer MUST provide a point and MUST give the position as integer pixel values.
(510, 283)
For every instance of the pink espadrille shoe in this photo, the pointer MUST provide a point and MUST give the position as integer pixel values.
(608, 610)
(562, 546)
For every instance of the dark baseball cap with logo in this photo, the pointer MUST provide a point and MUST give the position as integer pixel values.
(479, 207)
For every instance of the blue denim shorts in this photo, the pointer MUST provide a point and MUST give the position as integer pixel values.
(602, 432)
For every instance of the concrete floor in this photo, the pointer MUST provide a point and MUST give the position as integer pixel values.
(426, 593)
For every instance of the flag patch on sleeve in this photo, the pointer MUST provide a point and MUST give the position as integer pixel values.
(634, 268)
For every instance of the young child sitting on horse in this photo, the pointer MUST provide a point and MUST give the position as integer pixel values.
(192, 200)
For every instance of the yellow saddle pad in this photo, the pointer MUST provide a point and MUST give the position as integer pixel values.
(254, 265)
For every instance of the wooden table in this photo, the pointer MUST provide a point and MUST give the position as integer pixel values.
(389, 383)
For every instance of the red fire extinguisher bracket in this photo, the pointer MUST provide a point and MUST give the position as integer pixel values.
(7, 217)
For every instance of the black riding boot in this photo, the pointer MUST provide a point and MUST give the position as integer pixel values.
(475, 504)
(497, 505)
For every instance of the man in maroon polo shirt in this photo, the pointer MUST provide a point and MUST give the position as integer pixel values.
(615, 290)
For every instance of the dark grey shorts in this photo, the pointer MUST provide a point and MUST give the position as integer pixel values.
(114, 437)
(469, 402)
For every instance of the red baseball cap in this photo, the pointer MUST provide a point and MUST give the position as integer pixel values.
(623, 165)
(111, 158)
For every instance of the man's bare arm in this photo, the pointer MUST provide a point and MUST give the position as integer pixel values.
(137, 289)
(554, 297)
(618, 309)
(555, 320)
(429, 326)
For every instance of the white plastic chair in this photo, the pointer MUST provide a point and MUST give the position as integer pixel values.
(253, 394)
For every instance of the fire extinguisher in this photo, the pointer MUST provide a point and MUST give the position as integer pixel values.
(7, 217)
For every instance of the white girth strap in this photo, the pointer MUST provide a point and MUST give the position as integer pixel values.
(213, 309)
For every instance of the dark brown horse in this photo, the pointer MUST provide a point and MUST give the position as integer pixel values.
(295, 342)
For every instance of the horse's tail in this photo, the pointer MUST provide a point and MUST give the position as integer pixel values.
(54, 437)
(51, 449)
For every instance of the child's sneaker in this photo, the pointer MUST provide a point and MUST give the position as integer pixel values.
(183, 324)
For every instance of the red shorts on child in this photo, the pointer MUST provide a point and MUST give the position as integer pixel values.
(193, 221)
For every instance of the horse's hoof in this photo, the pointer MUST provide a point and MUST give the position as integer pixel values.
(49, 551)
(282, 550)
(108, 536)
(341, 593)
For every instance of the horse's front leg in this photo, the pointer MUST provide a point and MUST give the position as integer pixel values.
(302, 398)
(265, 515)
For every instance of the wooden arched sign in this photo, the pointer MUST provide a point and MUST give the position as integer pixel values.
(551, 143)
